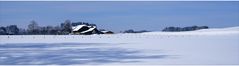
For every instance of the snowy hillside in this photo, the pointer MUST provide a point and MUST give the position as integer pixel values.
(221, 29)
(212, 31)
(208, 46)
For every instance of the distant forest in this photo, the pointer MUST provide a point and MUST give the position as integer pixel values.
(179, 29)
(65, 28)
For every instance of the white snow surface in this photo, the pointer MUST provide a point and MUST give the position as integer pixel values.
(207, 46)
(89, 30)
(212, 31)
(76, 28)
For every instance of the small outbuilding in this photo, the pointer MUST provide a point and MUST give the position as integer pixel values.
(107, 32)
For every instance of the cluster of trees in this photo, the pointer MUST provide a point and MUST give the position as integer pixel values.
(34, 29)
(132, 31)
(82, 23)
(11, 29)
(178, 29)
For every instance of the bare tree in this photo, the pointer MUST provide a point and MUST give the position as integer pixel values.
(66, 27)
(33, 28)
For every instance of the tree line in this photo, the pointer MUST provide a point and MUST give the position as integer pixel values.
(133, 31)
(179, 29)
(33, 28)
(171, 29)
(65, 28)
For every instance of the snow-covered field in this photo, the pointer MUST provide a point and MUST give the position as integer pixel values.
(208, 46)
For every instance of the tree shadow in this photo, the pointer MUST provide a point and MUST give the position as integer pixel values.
(70, 56)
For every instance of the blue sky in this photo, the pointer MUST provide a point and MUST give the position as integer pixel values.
(118, 16)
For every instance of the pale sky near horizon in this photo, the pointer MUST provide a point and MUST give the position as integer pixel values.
(118, 16)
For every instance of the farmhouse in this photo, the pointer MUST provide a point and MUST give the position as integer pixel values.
(85, 30)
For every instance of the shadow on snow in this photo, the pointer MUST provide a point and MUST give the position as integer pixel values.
(68, 56)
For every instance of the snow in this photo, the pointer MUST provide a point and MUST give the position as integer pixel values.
(212, 31)
(221, 29)
(208, 46)
(89, 30)
(104, 31)
(76, 28)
